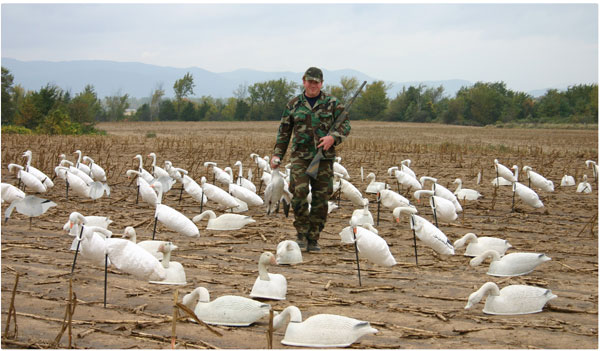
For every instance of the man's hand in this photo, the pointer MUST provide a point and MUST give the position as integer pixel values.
(275, 161)
(326, 142)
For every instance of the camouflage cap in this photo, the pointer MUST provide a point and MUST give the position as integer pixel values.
(313, 73)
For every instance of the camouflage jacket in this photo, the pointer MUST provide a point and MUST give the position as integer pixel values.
(308, 125)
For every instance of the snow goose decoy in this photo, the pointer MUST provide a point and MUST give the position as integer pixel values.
(172, 218)
(442, 208)
(31, 182)
(442, 191)
(76, 220)
(81, 166)
(144, 173)
(362, 215)
(513, 264)
(349, 191)
(246, 195)
(594, 165)
(11, 193)
(537, 180)
(226, 221)
(527, 195)
(428, 233)
(218, 195)
(174, 272)
(374, 187)
(268, 285)
(337, 167)
(504, 172)
(288, 252)
(96, 171)
(370, 245)
(36, 172)
(321, 330)
(511, 300)
(404, 179)
(157, 171)
(144, 189)
(567, 180)
(241, 181)
(584, 187)
(465, 194)
(151, 246)
(30, 206)
(275, 191)
(477, 245)
(230, 310)
(219, 175)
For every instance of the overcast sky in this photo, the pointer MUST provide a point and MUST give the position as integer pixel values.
(528, 46)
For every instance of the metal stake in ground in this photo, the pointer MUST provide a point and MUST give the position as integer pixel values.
(412, 225)
(77, 249)
(356, 252)
(105, 276)
(378, 206)
(434, 208)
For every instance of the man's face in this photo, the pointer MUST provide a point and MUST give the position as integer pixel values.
(312, 87)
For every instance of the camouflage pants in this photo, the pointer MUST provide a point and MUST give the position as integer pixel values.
(310, 223)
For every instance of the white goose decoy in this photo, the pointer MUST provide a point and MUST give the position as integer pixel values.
(144, 173)
(76, 171)
(147, 192)
(513, 264)
(443, 209)
(30, 181)
(81, 166)
(370, 245)
(97, 172)
(374, 187)
(537, 180)
(131, 258)
(337, 167)
(362, 216)
(478, 245)
(321, 330)
(76, 220)
(442, 191)
(592, 163)
(172, 218)
(349, 191)
(511, 300)
(230, 310)
(92, 243)
(218, 195)
(157, 171)
(567, 180)
(465, 194)
(392, 199)
(584, 186)
(221, 175)
(527, 195)
(275, 191)
(241, 181)
(94, 190)
(261, 163)
(226, 221)
(174, 272)
(248, 196)
(193, 189)
(268, 285)
(405, 179)
(30, 206)
(11, 193)
(36, 172)
(288, 252)
(404, 167)
(504, 172)
(151, 246)
(429, 234)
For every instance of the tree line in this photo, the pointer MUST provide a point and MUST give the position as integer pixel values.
(51, 110)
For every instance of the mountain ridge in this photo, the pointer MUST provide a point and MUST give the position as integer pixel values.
(138, 79)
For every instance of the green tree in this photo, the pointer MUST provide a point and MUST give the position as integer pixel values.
(346, 90)
(188, 112)
(371, 103)
(155, 102)
(143, 113)
(167, 111)
(85, 108)
(8, 104)
(268, 99)
(115, 107)
(57, 122)
(183, 87)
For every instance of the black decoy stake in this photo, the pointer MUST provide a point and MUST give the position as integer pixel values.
(356, 252)
(105, 276)
(378, 206)
(154, 230)
(77, 249)
(414, 239)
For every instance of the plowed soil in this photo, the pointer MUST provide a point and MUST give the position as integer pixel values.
(413, 307)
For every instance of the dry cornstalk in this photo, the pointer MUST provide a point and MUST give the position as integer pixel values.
(270, 331)
(175, 313)
(11, 310)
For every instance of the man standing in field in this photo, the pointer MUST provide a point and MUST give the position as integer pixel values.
(309, 117)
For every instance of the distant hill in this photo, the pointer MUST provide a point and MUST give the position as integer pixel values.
(139, 80)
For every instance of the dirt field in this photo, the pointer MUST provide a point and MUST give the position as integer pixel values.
(413, 307)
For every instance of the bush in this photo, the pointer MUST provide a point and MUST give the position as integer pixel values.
(12, 129)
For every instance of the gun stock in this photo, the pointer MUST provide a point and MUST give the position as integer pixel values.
(313, 167)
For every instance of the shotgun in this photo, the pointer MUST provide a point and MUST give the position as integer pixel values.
(313, 168)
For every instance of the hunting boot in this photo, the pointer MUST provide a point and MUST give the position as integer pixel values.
(301, 240)
(313, 246)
